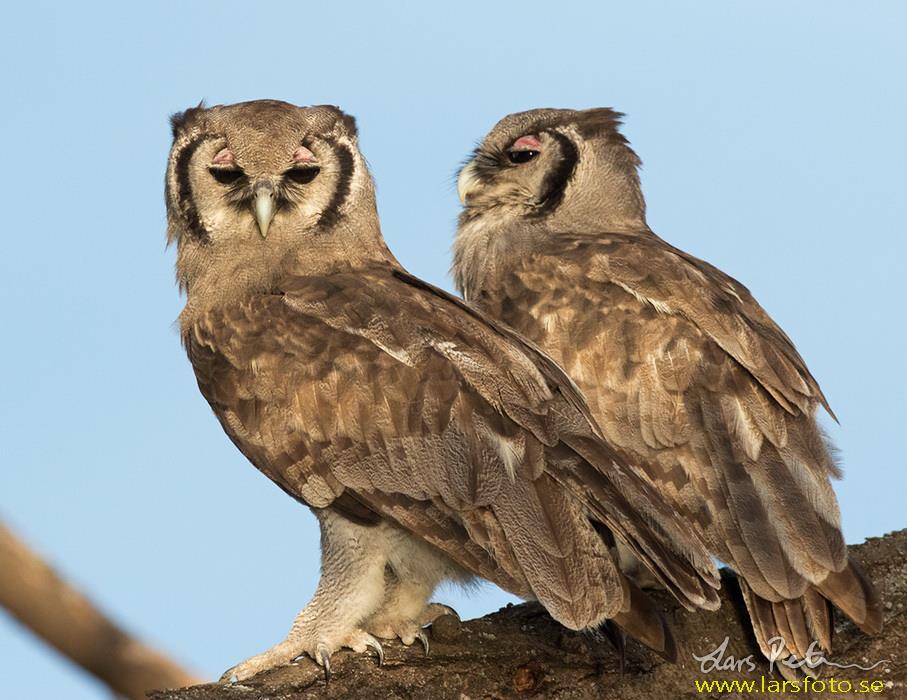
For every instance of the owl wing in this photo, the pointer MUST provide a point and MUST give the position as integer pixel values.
(378, 394)
(676, 282)
(713, 392)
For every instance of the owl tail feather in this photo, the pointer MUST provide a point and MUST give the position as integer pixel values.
(789, 628)
(854, 594)
(644, 621)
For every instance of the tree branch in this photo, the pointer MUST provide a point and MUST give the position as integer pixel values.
(63, 617)
(520, 652)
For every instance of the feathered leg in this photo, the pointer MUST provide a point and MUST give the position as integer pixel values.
(353, 559)
(414, 571)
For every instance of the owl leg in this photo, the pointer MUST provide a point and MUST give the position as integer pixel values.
(414, 570)
(353, 561)
(405, 613)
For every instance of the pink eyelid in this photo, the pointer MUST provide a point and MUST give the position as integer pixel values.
(303, 155)
(224, 157)
(527, 143)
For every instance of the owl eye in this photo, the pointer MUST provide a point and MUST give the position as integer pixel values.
(302, 176)
(226, 176)
(519, 157)
(524, 149)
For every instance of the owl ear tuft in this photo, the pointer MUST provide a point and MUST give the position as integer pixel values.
(180, 121)
(346, 121)
(350, 123)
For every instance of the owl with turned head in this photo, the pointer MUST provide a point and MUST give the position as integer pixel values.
(431, 442)
(683, 370)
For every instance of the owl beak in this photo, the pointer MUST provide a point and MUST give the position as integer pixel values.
(467, 181)
(264, 208)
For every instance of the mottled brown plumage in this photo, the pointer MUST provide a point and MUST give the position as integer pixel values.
(431, 442)
(681, 366)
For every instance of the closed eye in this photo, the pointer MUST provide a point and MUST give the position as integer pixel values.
(226, 176)
(302, 176)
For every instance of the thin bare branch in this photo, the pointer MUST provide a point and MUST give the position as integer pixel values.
(42, 601)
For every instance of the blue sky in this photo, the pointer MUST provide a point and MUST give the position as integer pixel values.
(773, 140)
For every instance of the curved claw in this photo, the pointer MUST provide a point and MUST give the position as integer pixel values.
(327, 669)
(435, 610)
(229, 677)
(423, 637)
(324, 658)
(374, 644)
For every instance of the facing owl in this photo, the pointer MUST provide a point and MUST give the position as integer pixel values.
(431, 443)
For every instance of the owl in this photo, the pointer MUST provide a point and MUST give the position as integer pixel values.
(684, 371)
(432, 443)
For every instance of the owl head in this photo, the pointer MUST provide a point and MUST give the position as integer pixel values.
(563, 167)
(250, 183)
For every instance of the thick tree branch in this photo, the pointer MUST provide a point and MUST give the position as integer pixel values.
(41, 600)
(520, 652)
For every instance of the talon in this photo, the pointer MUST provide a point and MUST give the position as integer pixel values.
(423, 637)
(435, 610)
(373, 643)
(229, 677)
(448, 610)
(324, 658)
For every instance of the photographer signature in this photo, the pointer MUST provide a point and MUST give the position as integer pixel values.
(718, 660)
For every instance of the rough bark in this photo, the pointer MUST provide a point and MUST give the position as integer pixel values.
(60, 615)
(519, 652)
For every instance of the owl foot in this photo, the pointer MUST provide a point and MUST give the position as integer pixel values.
(407, 631)
(390, 626)
(291, 648)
